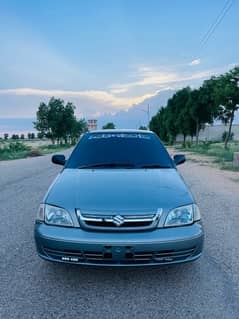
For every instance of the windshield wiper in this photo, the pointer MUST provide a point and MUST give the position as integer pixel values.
(154, 166)
(126, 165)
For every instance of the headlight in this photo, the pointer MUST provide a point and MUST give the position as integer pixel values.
(183, 215)
(54, 215)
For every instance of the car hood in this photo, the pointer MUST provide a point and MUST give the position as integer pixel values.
(119, 190)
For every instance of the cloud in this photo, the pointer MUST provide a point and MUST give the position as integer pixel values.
(195, 62)
(147, 82)
(145, 76)
(96, 95)
(160, 79)
(118, 89)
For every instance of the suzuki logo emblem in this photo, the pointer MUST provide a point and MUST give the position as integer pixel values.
(118, 220)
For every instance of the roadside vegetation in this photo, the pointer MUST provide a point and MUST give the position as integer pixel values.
(109, 126)
(57, 129)
(15, 150)
(57, 121)
(222, 156)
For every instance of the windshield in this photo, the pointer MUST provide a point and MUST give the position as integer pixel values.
(117, 150)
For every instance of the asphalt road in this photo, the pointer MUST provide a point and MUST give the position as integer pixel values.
(32, 288)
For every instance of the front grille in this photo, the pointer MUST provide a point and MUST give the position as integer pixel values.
(79, 256)
(118, 222)
(128, 257)
(159, 256)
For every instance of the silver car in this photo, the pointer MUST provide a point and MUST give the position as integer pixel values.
(119, 201)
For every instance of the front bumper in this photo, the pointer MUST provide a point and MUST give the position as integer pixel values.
(144, 248)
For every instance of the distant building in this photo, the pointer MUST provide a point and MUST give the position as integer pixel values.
(92, 125)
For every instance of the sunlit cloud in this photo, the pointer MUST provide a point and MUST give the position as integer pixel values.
(161, 79)
(99, 96)
(147, 82)
(195, 62)
(118, 90)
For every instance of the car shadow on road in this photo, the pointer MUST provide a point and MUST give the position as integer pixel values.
(81, 274)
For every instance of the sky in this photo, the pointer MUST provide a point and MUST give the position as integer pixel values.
(106, 56)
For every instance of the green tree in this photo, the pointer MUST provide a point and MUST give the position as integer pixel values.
(55, 117)
(227, 99)
(22, 137)
(6, 136)
(201, 107)
(40, 135)
(69, 122)
(171, 122)
(143, 128)
(187, 111)
(42, 123)
(187, 124)
(224, 136)
(109, 125)
(184, 123)
(50, 118)
(15, 136)
(158, 124)
(79, 127)
(57, 121)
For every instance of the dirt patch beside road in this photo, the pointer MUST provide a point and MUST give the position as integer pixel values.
(211, 168)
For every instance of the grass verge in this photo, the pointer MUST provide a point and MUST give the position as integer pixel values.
(221, 156)
(17, 150)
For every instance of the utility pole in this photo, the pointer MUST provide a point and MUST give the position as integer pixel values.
(148, 112)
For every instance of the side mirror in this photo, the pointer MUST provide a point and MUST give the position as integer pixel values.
(58, 159)
(179, 159)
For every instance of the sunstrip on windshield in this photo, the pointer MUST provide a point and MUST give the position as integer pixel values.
(119, 135)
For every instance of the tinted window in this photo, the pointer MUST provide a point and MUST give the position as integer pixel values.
(136, 149)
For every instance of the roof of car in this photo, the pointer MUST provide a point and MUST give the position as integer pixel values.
(121, 131)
